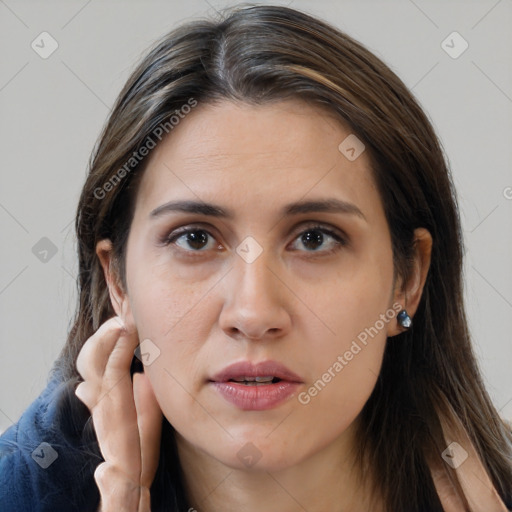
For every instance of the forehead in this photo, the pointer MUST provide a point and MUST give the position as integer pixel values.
(253, 156)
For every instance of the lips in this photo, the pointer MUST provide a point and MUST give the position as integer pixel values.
(264, 372)
(256, 387)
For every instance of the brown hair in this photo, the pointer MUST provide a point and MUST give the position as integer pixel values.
(258, 54)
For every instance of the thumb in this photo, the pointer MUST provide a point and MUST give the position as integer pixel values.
(149, 421)
(469, 470)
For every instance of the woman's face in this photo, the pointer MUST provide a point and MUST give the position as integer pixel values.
(270, 279)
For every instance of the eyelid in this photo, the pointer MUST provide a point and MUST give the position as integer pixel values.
(324, 226)
(173, 234)
(333, 231)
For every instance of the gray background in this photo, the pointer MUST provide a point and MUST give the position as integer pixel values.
(52, 111)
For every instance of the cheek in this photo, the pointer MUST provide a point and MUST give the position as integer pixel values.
(174, 318)
(163, 303)
(351, 301)
(348, 349)
(344, 376)
(175, 376)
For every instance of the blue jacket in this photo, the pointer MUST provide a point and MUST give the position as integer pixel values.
(41, 466)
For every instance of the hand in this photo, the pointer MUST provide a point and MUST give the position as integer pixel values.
(476, 484)
(126, 417)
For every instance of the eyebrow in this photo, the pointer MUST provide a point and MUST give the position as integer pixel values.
(330, 205)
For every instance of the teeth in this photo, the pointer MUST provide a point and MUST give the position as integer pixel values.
(264, 379)
(268, 378)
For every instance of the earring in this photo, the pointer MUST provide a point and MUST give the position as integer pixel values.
(404, 319)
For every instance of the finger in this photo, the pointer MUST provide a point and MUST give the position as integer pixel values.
(448, 496)
(114, 413)
(93, 356)
(117, 491)
(144, 500)
(478, 488)
(87, 394)
(149, 419)
(115, 422)
(92, 360)
(121, 356)
(469, 471)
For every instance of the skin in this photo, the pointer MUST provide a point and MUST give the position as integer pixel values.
(206, 309)
(131, 448)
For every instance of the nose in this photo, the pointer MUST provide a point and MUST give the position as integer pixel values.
(256, 301)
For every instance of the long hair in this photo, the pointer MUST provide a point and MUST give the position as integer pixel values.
(260, 54)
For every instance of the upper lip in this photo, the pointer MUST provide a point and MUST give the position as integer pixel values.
(249, 369)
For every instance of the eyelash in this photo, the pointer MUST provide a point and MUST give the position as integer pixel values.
(340, 241)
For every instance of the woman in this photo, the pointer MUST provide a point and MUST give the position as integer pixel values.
(269, 224)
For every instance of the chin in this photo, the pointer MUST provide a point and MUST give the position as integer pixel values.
(254, 461)
(259, 452)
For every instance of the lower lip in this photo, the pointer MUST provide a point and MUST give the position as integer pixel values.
(256, 398)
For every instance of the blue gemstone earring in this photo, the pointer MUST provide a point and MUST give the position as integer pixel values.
(404, 319)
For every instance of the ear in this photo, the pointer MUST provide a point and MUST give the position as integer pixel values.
(118, 296)
(408, 294)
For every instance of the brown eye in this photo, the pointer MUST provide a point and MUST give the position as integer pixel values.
(317, 237)
(190, 239)
(312, 239)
